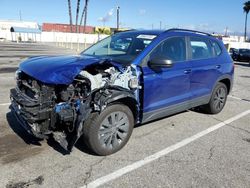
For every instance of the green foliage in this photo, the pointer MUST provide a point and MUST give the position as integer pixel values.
(246, 7)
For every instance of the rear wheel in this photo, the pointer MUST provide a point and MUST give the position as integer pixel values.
(109, 131)
(218, 99)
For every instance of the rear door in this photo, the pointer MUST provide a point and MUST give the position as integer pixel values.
(167, 90)
(205, 68)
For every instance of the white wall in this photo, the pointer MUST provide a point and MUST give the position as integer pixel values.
(55, 37)
(71, 37)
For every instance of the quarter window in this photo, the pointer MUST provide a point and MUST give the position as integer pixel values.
(172, 49)
(217, 49)
(201, 48)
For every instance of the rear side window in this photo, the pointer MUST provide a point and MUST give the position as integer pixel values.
(201, 48)
(216, 48)
(172, 49)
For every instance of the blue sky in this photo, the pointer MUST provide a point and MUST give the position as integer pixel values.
(212, 15)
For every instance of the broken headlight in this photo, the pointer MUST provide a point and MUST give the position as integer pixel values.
(18, 74)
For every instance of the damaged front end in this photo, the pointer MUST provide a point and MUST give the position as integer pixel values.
(61, 109)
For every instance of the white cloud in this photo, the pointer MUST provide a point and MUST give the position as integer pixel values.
(107, 17)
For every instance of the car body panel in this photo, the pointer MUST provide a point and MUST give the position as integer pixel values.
(167, 87)
(56, 69)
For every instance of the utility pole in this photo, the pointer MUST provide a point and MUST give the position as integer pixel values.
(118, 17)
(20, 15)
(226, 31)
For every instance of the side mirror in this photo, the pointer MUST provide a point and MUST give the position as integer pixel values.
(160, 63)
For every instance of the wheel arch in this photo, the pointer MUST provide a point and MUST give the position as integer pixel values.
(227, 80)
(124, 97)
(131, 103)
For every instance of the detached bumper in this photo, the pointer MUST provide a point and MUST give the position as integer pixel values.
(28, 113)
(15, 111)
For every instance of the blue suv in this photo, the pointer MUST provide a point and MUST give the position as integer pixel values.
(128, 78)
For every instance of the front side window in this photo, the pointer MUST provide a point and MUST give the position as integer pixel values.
(173, 49)
(201, 48)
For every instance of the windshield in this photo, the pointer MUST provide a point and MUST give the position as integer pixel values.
(122, 47)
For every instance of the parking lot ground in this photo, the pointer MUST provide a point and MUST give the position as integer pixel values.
(216, 159)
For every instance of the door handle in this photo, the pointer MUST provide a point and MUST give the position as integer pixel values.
(188, 71)
(218, 66)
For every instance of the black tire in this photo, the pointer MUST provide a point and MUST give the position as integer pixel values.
(217, 100)
(108, 132)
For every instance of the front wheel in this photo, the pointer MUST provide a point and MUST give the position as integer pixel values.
(108, 132)
(218, 99)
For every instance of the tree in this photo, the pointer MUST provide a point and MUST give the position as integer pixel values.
(70, 15)
(246, 9)
(84, 14)
(77, 13)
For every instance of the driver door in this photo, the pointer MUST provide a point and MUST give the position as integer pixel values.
(167, 89)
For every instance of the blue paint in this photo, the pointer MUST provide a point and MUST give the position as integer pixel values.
(56, 69)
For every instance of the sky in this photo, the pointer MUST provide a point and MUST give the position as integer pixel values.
(210, 16)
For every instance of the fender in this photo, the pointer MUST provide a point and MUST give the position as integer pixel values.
(103, 98)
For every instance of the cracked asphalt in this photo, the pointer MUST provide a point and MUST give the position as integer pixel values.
(218, 159)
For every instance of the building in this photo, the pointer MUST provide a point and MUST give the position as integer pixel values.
(5, 25)
(19, 30)
(234, 39)
(66, 28)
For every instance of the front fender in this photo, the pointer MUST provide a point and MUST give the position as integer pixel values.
(116, 94)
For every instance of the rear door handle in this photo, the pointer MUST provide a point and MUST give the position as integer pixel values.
(218, 66)
(188, 71)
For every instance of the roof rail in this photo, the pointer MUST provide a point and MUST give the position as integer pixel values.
(188, 30)
(120, 31)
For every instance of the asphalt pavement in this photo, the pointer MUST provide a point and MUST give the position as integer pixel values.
(189, 149)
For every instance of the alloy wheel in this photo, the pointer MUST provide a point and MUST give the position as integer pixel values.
(113, 130)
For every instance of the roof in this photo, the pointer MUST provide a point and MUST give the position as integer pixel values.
(24, 30)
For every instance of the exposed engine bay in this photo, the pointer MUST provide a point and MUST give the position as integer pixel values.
(61, 110)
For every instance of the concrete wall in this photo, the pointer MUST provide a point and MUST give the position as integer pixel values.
(71, 37)
(56, 37)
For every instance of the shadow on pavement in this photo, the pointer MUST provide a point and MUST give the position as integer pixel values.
(8, 69)
(31, 140)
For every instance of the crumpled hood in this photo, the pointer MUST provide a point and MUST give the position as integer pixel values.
(56, 69)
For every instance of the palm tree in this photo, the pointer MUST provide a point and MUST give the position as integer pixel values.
(84, 13)
(70, 15)
(77, 13)
(246, 9)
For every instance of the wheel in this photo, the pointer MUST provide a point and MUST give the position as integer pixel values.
(218, 99)
(108, 132)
